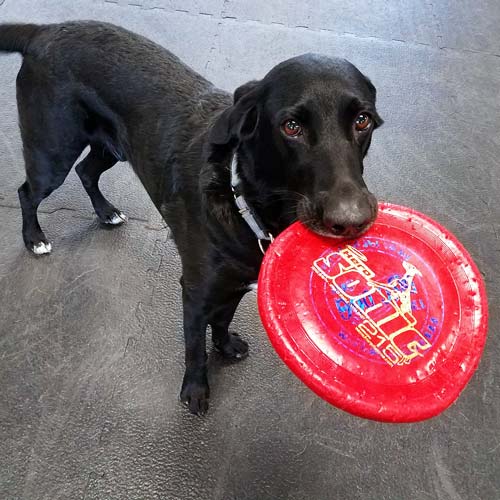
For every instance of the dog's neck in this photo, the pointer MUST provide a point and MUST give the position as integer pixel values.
(215, 183)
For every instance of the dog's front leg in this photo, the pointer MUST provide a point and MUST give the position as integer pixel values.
(195, 391)
(224, 305)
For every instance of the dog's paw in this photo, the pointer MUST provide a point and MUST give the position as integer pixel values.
(41, 248)
(234, 349)
(195, 396)
(112, 217)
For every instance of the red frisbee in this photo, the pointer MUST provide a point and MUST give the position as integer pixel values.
(390, 326)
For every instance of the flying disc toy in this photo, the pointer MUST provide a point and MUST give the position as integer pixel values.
(389, 326)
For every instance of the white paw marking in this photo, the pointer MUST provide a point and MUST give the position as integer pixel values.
(118, 218)
(253, 286)
(42, 248)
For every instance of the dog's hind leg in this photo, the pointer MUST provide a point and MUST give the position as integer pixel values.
(89, 170)
(45, 172)
(53, 138)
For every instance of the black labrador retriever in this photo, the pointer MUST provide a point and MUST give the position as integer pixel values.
(287, 147)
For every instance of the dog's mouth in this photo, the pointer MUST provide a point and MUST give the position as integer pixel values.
(312, 217)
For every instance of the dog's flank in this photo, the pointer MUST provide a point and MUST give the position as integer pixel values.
(300, 135)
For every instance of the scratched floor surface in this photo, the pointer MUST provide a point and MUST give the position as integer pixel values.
(90, 338)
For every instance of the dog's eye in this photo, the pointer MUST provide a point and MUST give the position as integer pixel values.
(362, 122)
(291, 128)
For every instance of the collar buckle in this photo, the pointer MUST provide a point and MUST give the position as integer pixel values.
(269, 239)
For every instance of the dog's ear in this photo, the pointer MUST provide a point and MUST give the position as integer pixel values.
(371, 87)
(376, 118)
(239, 122)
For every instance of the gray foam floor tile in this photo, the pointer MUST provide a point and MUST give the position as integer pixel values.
(91, 349)
(469, 25)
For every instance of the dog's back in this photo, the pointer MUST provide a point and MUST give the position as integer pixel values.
(105, 58)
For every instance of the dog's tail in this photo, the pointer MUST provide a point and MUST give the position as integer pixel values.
(16, 37)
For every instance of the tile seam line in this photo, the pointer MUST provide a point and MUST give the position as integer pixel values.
(213, 45)
(326, 31)
(78, 215)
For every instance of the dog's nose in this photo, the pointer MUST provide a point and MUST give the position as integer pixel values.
(350, 218)
(347, 228)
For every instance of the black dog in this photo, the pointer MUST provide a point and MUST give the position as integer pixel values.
(295, 141)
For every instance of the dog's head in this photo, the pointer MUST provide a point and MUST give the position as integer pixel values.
(302, 133)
